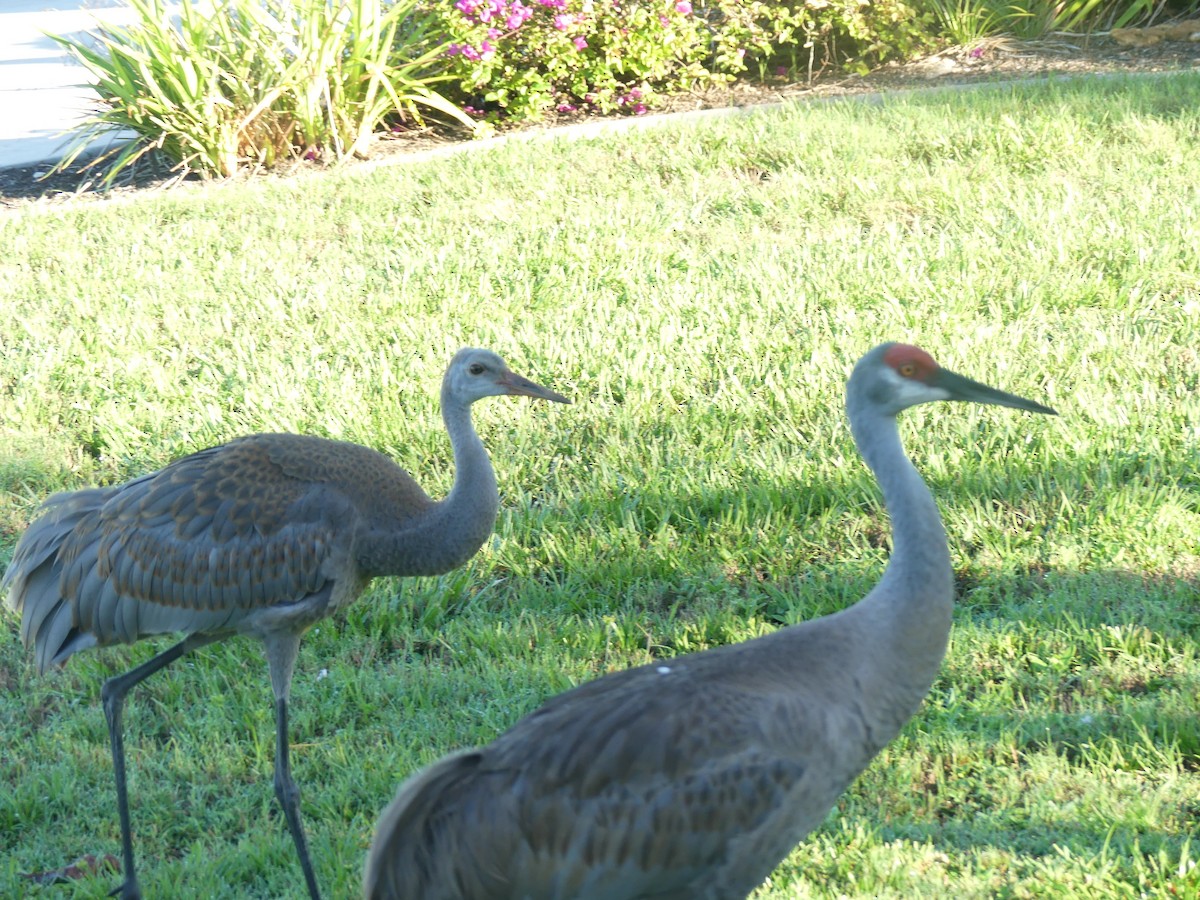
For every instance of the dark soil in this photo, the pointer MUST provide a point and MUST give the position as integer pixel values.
(992, 61)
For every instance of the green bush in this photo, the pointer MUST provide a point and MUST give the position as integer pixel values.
(519, 59)
(257, 82)
(968, 21)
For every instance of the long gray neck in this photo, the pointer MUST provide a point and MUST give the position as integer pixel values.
(452, 531)
(907, 615)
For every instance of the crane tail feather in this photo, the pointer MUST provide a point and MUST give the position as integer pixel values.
(400, 860)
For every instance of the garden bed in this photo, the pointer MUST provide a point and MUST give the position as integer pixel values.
(992, 60)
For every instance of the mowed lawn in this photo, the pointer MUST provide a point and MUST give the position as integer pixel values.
(701, 290)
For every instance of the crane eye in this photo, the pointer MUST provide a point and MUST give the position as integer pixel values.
(475, 368)
(908, 370)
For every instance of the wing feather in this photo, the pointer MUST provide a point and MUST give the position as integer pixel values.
(623, 787)
(208, 541)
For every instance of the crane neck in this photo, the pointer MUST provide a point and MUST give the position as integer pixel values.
(452, 530)
(474, 494)
(907, 615)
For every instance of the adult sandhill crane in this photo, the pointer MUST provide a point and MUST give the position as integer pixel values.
(263, 536)
(693, 777)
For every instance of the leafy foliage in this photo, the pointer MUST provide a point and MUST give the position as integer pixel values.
(967, 21)
(256, 82)
(520, 59)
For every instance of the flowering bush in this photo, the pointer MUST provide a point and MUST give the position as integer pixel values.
(522, 58)
(519, 59)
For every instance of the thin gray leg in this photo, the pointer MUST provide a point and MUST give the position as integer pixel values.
(289, 796)
(112, 695)
(281, 658)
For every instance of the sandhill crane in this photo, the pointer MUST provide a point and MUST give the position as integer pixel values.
(263, 536)
(693, 777)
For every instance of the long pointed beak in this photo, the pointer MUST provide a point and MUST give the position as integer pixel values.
(519, 384)
(962, 388)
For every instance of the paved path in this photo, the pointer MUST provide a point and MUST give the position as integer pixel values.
(42, 91)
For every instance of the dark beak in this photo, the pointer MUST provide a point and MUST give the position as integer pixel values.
(961, 388)
(519, 384)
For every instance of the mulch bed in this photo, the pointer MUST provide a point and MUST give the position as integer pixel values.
(990, 61)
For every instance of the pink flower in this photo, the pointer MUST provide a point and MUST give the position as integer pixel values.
(518, 14)
(580, 44)
(563, 21)
(640, 109)
(683, 8)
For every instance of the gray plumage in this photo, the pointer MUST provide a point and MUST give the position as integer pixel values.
(692, 778)
(263, 536)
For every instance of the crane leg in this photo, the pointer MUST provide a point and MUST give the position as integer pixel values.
(289, 796)
(112, 695)
(282, 649)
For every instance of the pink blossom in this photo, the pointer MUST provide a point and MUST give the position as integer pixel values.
(563, 21)
(580, 43)
(640, 109)
(517, 15)
(683, 8)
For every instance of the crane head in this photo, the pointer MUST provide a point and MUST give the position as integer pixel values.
(908, 376)
(474, 374)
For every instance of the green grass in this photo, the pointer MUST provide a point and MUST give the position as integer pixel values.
(701, 291)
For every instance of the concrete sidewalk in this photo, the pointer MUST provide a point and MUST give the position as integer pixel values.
(43, 92)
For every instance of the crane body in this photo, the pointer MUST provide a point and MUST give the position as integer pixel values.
(692, 778)
(261, 536)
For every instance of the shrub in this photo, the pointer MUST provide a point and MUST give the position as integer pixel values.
(967, 21)
(258, 81)
(521, 58)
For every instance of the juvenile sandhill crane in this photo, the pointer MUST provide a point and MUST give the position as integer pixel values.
(263, 536)
(692, 778)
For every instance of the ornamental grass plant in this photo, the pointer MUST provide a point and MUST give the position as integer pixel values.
(255, 83)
